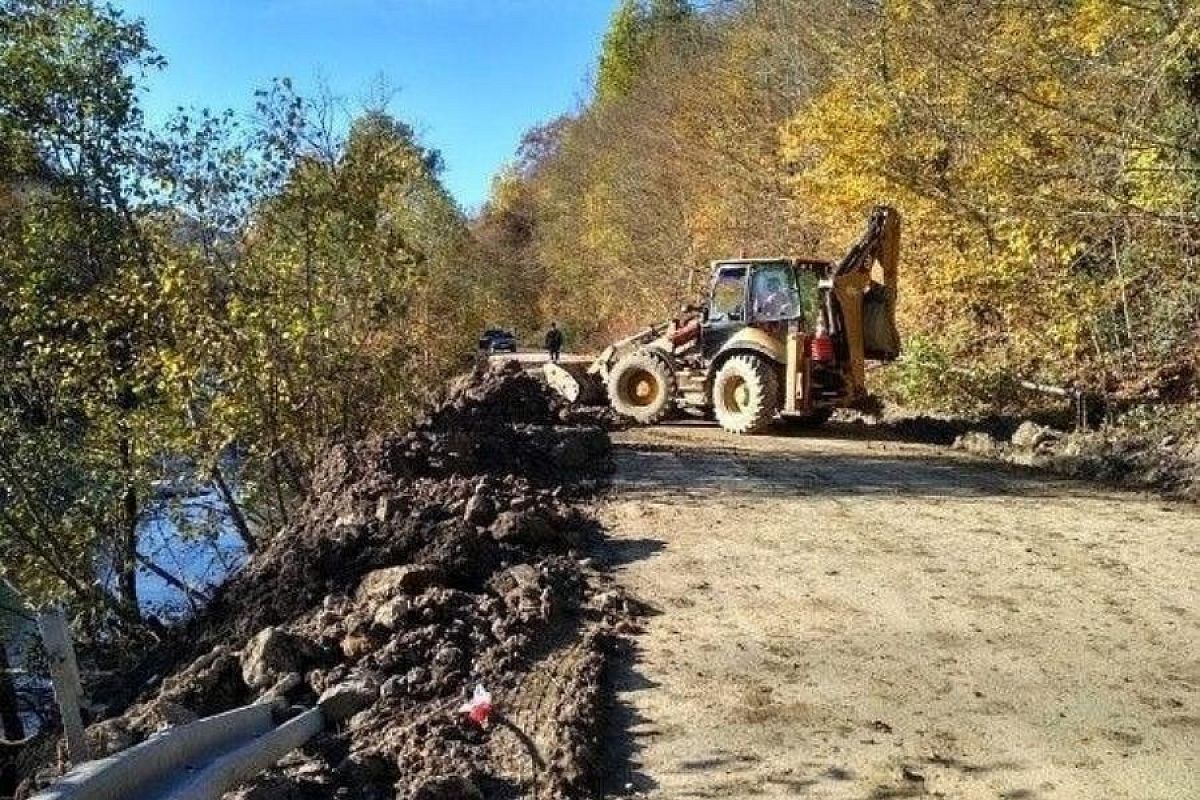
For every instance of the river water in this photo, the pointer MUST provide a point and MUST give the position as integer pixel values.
(194, 540)
(189, 536)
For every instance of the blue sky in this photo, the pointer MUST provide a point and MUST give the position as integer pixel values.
(470, 75)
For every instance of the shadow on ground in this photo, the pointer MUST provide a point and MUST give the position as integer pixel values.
(689, 459)
(625, 726)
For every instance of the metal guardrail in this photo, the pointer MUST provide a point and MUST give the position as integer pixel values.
(198, 761)
(201, 760)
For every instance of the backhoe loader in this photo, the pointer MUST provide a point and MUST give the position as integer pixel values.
(775, 337)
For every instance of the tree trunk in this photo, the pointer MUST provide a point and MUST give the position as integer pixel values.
(10, 720)
(189, 593)
(127, 557)
(235, 511)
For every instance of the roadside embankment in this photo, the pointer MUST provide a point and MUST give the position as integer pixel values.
(422, 565)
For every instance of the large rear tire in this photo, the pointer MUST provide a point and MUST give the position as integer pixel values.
(745, 394)
(642, 386)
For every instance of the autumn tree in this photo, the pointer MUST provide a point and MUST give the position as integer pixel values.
(224, 293)
(349, 287)
(1022, 161)
(1043, 157)
(621, 51)
(80, 320)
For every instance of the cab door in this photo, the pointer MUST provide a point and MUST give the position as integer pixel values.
(727, 307)
(774, 296)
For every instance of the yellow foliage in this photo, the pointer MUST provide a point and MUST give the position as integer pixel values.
(1043, 156)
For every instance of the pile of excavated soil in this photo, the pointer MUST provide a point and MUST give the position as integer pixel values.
(423, 565)
(1157, 451)
(1165, 460)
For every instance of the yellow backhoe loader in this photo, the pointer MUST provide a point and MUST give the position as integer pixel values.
(775, 337)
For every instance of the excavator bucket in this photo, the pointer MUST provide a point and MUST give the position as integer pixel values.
(874, 261)
(575, 383)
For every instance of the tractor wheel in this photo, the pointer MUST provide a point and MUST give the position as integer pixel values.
(642, 386)
(745, 394)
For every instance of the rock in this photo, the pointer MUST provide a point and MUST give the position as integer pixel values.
(356, 646)
(343, 701)
(109, 737)
(447, 787)
(322, 679)
(448, 656)
(1025, 435)
(383, 508)
(357, 621)
(348, 520)
(211, 683)
(480, 509)
(977, 443)
(521, 588)
(523, 527)
(270, 654)
(1029, 435)
(286, 685)
(336, 603)
(391, 614)
(161, 713)
(516, 578)
(382, 584)
(364, 767)
(393, 688)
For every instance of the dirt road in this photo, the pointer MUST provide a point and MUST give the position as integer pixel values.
(841, 618)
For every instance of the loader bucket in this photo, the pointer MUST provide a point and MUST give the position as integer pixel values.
(575, 384)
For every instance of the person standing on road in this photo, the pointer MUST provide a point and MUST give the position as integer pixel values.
(554, 341)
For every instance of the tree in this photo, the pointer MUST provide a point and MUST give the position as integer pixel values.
(78, 307)
(621, 52)
(1019, 159)
(1044, 158)
(350, 288)
(228, 295)
(667, 15)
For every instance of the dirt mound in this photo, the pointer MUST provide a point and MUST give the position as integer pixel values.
(1160, 454)
(1151, 447)
(422, 565)
(907, 425)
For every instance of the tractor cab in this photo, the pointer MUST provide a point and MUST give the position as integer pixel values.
(760, 292)
(763, 290)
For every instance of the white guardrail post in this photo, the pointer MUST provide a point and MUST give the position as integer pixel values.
(64, 673)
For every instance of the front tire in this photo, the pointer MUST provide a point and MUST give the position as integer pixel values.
(745, 394)
(642, 386)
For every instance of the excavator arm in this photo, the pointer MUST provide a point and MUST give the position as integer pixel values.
(868, 306)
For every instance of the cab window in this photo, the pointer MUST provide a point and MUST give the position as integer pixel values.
(728, 296)
(774, 294)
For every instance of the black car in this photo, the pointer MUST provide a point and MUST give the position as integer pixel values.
(497, 341)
